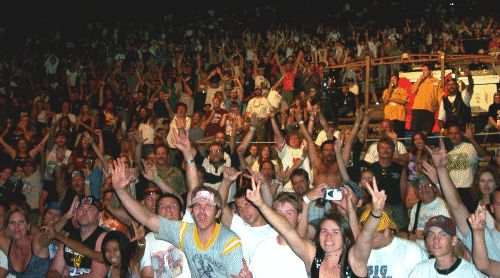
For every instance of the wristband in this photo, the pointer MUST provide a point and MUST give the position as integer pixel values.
(140, 244)
(306, 200)
(253, 128)
(301, 122)
(374, 216)
(189, 161)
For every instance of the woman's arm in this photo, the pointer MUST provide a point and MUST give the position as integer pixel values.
(33, 152)
(360, 252)
(10, 151)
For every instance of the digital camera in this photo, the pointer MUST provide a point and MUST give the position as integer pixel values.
(333, 194)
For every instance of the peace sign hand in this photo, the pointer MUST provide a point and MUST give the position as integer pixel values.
(378, 197)
(254, 194)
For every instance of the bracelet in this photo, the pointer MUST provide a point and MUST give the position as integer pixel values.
(189, 161)
(141, 244)
(301, 122)
(306, 200)
(356, 125)
(374, 216)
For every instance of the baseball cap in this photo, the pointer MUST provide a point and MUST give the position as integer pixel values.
(55, 206)
(150, 190)
(77, 173)
(443, 222)
(89, 200)
(204, 195)
(386, 222)
(354, 187)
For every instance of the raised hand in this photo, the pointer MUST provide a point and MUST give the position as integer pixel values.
(230, 174)
(378, 197)
(317, 192)
(439, 155)
(477, 220)
(430, 172)
(139, 231)
(337, 146)
(119, 174)
(181, 141)
(469, 131)
(254, 194)
(150, 172)
(87, 137)
(282, 174)
(245, 272)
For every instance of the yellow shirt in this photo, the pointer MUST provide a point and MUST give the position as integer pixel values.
(429, 95)
(395, 104)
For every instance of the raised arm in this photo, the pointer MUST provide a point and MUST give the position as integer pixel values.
(477, 222)
(10, 150)
(311, 147)
(457, 208)
(183, 144)
(340, 161)
(353, 136)
(469, 134)
(151, 173)
(120, 180)
(360, 252)
(230, 175)
(363, 132)
(278, 138)
(300, 246)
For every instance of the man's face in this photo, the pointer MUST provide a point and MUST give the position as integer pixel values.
(452, 87)
(78, 184)
(289, 212)
(220, 138)
(439, 243)
(394, 81)
(454, 135)
(294, 141)
(161, 156)
(204, 214)
(253, 150)
(87, 215)
(181, 110)
(150, 201)
(385, 150)
(300, 184)
(60, 141)
(267, 170)
(51, 216)
(215, 154)
(169, 208)
(247, 211)
(6, 174)
(426, 71)
(426, 192)
(385, 127)
(328, 153)
(216, 102)
(497, 98)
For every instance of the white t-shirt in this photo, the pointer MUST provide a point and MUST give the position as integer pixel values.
(174, 130)
(250, 236)
(372, 152)
(492, 239)
(289, 156)
(260, 106)
(165, 259)
(322, 137)
(462, 164)
(71, 117)
(434, 208)
(426, 269)
(273, 260)
(395, 260)
(3, 261)
(148, 133)
(465, 98)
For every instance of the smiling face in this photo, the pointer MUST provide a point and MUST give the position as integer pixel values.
(87, 215)
(204, 214)
(112, 252)
(289, 212)
(418, 141)
(440, 243)
(454, 135)
(247, 211)
(169, 208)
(487, 183)
(330, 237)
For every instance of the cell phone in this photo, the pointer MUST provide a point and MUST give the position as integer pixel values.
(333, 194)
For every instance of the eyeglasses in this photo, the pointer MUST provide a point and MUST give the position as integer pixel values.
(215, 151)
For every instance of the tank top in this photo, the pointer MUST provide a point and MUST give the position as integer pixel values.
(78, 264)
(318, 259)
(37, 267)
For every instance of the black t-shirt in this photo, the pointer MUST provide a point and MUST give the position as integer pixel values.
(494, 111)
(388, 179)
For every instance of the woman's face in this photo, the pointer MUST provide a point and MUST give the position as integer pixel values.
(487, 183)
(418, 141)
(112, 252)
(143, 113)
(330, 237)
(23, 121)
(264, 154)
(18, 225)
(85, 109)
(21, 145)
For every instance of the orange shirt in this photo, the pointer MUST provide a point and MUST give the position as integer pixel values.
(429, 95)
(395, 104)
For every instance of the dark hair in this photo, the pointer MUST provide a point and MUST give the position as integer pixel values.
(492, 196)
(347, 239)
(180, 104)
(413, 148)
(475, 191)
(385, 140)
(300, 172)
(241, 192)
(288, 197)
(327, 142)
(428, 65)
(125, 250)
(170, 195)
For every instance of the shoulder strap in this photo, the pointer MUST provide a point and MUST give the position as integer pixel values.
(415, 220)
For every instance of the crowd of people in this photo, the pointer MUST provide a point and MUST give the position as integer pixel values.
(170, 149)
